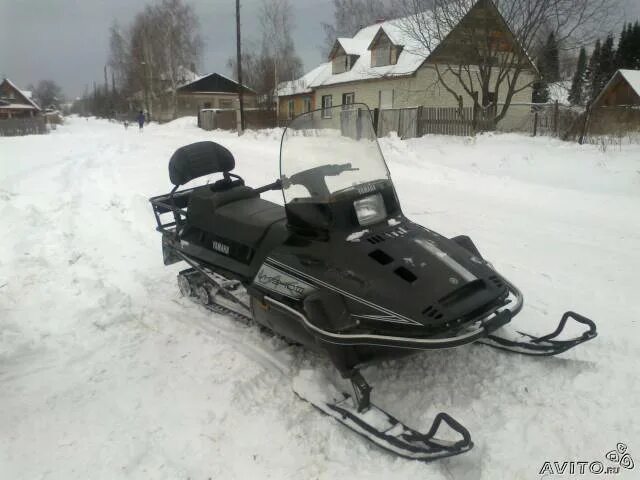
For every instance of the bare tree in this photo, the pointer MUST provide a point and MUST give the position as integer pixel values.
(158, 52)
(482, 59)
(48, 94)
(272, 58)
(351, 15)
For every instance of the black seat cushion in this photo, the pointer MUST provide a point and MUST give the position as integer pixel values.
(238, 214)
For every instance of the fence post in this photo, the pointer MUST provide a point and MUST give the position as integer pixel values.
(584, 125)
(419, 122)
(555, 118)
(535, 123)
(376, 115)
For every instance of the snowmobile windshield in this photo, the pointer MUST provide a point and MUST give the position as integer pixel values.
(331, 153)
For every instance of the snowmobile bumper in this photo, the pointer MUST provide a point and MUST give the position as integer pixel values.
(482, 327)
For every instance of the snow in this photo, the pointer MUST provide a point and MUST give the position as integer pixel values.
(303, 84)
(106, 372)
(559, 92)
(410, 58)
(633, 78)
(356, 236)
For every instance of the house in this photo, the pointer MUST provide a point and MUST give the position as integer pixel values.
(208, 91)
(297, 96)
(386, 68)
(16, 103)
(623, 89)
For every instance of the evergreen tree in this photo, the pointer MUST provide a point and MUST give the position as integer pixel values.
(634, 46)
(592, 73)
(576, 94)
(607, 66)
(540, 92)
(551, 59)
(622, 59)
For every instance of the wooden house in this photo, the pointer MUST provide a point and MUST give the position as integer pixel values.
(623, 89)
(206, 92)
(16, 103)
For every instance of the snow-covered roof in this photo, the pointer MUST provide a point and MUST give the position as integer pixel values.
(633, 79)
(303, 84)
(27, 93)
(23, 94)
(412, 55)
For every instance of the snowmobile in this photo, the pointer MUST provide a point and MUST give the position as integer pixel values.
(339, 269)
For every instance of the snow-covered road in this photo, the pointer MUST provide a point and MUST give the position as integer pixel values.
(106, 372)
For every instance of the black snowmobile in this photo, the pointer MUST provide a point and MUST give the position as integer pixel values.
(339, 269)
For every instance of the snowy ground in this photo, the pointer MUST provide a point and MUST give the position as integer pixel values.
(106, 372)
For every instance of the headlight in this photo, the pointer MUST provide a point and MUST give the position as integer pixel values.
(370, 209)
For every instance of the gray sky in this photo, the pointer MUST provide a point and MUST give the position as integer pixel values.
(67, 40)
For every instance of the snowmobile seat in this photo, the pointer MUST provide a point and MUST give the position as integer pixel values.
(247, 221)
(199, 159)
(238, 214)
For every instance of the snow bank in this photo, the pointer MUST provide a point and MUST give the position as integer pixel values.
(106, 372)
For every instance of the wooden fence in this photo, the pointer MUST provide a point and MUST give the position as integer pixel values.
(11, 127)
(418, 121)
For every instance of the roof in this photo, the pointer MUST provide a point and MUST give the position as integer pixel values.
(411, 57)
(413, 52)
(302, 84)
(213, 83)
(632, 77)
(22, 93)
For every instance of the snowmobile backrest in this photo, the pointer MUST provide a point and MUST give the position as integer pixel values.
(199, 159)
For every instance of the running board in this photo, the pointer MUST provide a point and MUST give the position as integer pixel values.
(546, 345)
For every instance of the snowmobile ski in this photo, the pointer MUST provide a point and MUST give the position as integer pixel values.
(380, 427)
(547, 345)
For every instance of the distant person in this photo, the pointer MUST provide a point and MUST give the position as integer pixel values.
(140, 119)
(126, 124)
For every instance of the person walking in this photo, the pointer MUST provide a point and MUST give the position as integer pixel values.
(140, 119)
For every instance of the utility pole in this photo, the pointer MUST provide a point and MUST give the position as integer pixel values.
(239, 67)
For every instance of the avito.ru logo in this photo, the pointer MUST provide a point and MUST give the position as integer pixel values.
(619, 455)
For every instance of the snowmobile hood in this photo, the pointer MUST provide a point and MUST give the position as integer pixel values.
(397, 275)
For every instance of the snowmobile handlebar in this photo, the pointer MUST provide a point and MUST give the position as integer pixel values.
(313, 179)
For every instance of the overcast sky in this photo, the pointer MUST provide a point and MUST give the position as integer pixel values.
(67, 40)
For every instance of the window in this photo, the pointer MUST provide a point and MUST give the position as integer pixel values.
(348, 99)
(306, 104)
(292, 109)
(343, 63)
(327, 103)
(207, 104)
(381, 55)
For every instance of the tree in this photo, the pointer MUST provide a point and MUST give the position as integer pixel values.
(158, 52)
(487, 60)
(351, 15)
(273, 58)
(549, 65)
(576, 93)
(48, 94)
(593, 72)
(606, 66)
(540, 87)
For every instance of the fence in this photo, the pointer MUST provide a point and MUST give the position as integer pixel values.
(22, 126)
(418, 121)
(212, 119)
